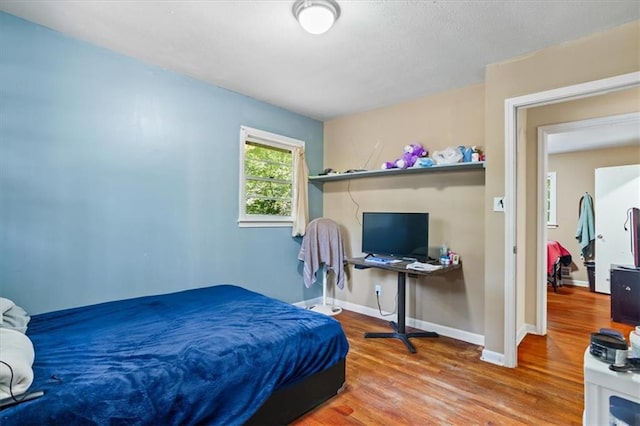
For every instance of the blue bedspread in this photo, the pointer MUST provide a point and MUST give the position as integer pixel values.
(205, 356)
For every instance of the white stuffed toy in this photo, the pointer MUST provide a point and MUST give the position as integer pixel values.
(16, 356)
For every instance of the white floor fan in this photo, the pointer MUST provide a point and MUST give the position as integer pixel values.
(325, 308)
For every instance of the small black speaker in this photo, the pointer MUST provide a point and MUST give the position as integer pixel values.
(608, 348)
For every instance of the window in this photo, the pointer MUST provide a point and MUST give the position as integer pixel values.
(268, 178)
(551, 200)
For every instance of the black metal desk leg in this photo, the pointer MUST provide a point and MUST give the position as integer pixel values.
(400, 328)
(402, 301)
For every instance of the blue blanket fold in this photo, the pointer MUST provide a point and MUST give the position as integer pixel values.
(206, 356)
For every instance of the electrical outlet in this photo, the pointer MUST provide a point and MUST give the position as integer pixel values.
(378, 289)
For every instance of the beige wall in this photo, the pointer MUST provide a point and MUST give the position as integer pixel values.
(460, 205)
(595, 57)
(454, 200)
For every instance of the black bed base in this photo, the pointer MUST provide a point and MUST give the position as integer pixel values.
(289, 403)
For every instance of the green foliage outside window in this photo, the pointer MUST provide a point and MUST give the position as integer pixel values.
(268, 179)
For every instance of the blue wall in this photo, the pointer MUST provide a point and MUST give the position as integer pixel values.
(120, 179)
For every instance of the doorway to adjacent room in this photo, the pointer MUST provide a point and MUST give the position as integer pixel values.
(512, 108)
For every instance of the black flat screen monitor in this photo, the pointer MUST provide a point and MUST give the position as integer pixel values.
(401, 235)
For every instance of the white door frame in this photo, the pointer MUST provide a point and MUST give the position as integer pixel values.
(583, 90)
(544, 132)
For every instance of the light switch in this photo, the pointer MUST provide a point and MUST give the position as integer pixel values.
(498, 204)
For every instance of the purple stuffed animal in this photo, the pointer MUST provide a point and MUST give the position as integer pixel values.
(412, 153)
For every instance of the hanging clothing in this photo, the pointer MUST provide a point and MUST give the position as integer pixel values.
(556, 252)
(322, 243)
(585, 234)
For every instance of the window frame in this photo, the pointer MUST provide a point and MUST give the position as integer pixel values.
(261, 137)
(552, 200)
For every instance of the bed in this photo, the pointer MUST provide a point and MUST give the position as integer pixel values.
(216, 355)
(557, 257)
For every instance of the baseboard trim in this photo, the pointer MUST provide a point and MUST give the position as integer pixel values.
(465, 336)
(454, 333)
(523, 331)
(492, 357)
(575, 283)
(311, 302)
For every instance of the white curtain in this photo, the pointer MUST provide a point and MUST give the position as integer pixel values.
(301, 202)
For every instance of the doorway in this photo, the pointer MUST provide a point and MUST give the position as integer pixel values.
(512, 108)
(588, 135)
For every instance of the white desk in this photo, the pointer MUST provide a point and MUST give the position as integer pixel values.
(602, 387)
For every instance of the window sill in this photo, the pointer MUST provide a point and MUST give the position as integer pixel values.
(263, 224)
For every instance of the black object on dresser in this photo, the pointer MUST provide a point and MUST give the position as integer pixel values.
(625, 294)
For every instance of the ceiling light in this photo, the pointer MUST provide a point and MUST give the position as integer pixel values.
(316, 16)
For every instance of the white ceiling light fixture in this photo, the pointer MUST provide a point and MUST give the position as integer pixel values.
(316, 16)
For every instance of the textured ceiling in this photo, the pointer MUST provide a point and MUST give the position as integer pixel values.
(378, 53)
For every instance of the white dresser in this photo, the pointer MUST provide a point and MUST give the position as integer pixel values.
(610, 398)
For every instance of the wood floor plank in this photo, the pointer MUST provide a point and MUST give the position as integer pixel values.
(446, 383)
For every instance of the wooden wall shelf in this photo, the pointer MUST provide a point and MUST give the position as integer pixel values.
(478, 165)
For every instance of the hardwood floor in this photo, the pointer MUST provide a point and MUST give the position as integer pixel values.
(447, 383)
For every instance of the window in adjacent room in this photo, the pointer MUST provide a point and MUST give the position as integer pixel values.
(268, 178)
(551, 200)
